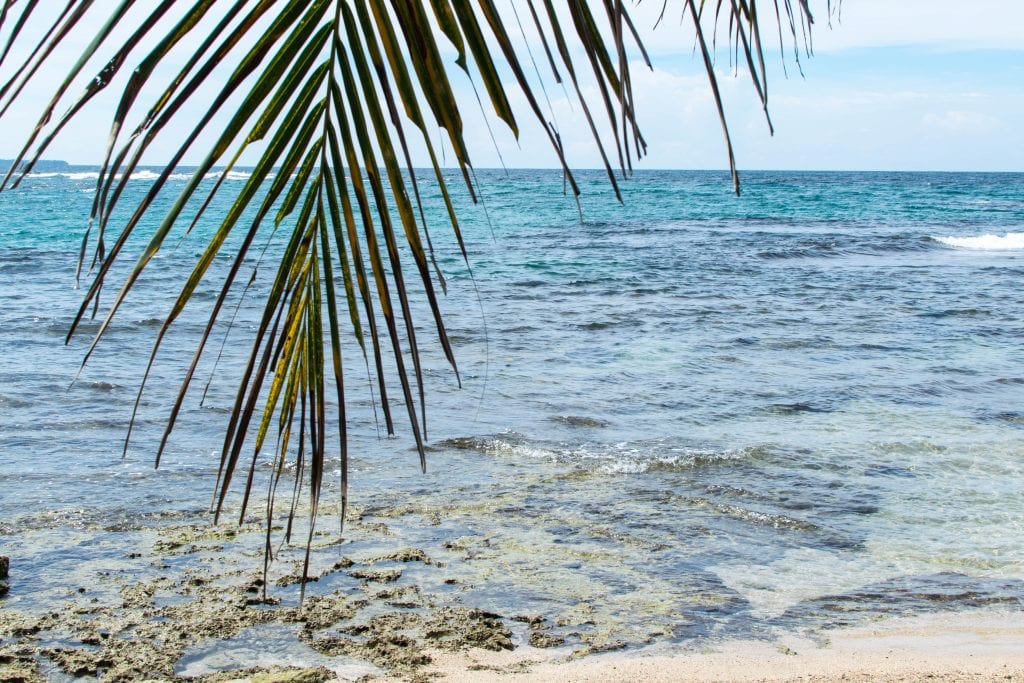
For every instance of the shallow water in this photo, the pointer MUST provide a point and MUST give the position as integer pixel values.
(690, 415)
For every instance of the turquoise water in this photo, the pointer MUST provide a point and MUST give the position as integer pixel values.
(696, 412)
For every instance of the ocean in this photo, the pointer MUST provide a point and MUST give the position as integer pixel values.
(684, 417)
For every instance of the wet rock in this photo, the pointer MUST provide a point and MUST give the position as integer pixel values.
(406, 555)
(458, 544)
(463, 443)
(21, 674)
(137, 596)
(18, 665)
(142, 633)
(296, 577)
(544, 639)
(266, 601)
(393, 622)
(262, 675)
(607, 647)
(77, 662)
(213, 617)
(134, 660)
(376, 575)
(320, 612)
(5, 566)
(392, 651)
(469, 547)
(396, 652)
(171, 547)
(531, 619)
(375, 528)
(92, 637)
(18, 625)
(392, 641)
(317, 675)
(458, 627)
(138, 630)
(399, 596)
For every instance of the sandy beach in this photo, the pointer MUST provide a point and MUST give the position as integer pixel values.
(980, 646)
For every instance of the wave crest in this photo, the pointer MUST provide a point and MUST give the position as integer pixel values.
(143, 174)
(624, 458)
(1011, 240)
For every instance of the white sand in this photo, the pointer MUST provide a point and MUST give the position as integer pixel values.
(985, 645)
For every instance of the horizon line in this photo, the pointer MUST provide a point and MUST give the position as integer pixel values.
(585, 169)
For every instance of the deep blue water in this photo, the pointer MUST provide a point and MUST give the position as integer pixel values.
(807, 395)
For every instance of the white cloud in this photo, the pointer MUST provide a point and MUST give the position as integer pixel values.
(949, 24)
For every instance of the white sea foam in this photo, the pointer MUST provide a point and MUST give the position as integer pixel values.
(144, 174)
(1011, 240)
(624, 458)
(231, 175)
(77, 175)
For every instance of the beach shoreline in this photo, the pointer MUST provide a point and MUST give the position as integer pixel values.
(976, 645)
(379, 617)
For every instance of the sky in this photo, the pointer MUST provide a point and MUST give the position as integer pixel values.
(892, 85)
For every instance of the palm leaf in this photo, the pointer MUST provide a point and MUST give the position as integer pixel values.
(331, 95)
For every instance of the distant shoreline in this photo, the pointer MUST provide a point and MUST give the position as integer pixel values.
(41, 166)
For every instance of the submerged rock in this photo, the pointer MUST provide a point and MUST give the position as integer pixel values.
(376, 575)
(5, 566)
(406, 555)
(454, 628)
(543, 639)
(795, 408)
(18, 665)
(579, 421)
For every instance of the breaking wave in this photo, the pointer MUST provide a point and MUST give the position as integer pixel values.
(144, 174)
(627, 457)
(1011, 240)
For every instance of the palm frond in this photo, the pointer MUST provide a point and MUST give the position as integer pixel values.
(329, 97)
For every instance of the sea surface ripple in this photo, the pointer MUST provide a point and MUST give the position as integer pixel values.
(701, 413)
